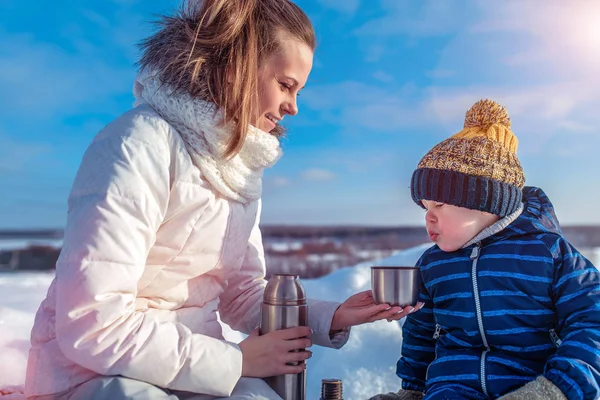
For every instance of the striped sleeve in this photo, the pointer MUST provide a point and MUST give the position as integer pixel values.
(418, 345)
(575, 367)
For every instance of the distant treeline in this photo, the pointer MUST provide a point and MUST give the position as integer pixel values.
(309, 251)
(579, 235)
(31, 233)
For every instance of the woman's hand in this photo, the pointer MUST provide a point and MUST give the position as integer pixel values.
(361, 308)
(269, 355)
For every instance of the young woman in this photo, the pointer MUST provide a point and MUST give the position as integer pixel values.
(162, 230)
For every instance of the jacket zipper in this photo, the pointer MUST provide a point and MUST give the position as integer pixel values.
(436, 334)
(474, 257)
(555, 339)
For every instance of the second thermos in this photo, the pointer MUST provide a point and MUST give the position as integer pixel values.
(284, 306)
(331, 389)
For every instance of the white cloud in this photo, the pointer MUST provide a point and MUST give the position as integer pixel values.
(441, 73)
(353, 160)
(374, 52)
(576, 126)
(546, 102)
(560, 38)
(279, 181)
(317, 174)
(350, 93)
(418, 19)
(540, 110)
(411, 21)
(17, 155)
(566, 34)
(91, 67)
(541, 62)
(40, 79)
(357, 105)
(383, 76)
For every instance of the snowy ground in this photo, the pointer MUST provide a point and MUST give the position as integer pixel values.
(366, 364)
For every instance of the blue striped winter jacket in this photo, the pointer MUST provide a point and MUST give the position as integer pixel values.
(521, 303)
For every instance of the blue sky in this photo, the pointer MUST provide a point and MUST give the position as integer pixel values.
(391, 79)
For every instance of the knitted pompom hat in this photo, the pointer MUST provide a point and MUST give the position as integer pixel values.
(477, 168)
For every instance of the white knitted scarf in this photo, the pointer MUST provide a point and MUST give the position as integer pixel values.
(238, 178)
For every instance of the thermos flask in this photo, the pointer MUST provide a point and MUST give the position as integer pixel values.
(331, 389)
(284, 306)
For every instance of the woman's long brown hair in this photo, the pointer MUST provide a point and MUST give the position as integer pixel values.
(212, 50)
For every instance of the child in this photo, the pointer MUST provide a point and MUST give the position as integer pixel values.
(511, 306)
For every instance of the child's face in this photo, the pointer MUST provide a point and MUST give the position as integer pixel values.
(450, 227)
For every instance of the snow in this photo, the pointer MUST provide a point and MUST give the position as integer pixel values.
(283, 247)
(366, 364)
(20, 295)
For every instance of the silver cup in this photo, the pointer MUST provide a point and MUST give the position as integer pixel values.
(396, 286)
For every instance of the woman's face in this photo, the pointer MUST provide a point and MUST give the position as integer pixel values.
(280, 77)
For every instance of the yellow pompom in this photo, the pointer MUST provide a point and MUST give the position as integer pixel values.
(486, 113)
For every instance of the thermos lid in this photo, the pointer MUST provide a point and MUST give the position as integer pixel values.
(331, 389)
(284, 290)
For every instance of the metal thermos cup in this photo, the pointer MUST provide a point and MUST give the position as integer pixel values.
(284, 306)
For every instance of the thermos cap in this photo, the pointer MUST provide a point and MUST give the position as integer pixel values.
(331, 389)
(284, 290)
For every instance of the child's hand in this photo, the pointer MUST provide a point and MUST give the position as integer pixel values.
(361, 308)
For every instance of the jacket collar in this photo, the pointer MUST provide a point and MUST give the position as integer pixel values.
(536, 215)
